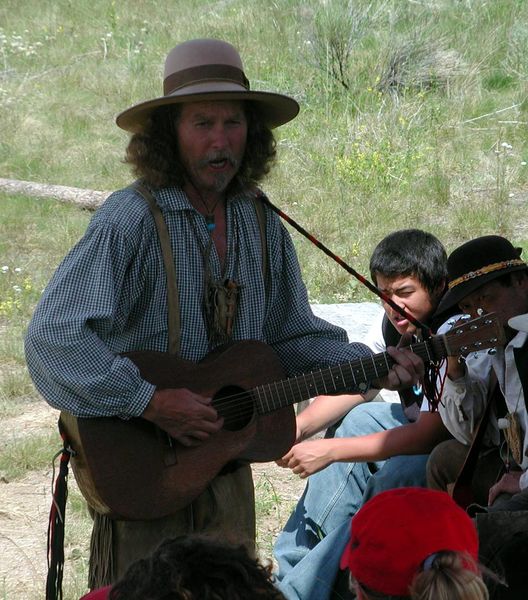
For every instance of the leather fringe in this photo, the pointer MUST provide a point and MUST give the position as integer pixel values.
(101, 568)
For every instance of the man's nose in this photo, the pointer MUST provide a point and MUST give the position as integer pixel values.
(219, 137)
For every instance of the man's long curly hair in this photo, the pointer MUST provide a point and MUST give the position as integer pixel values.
(155, 159)
(197, 568)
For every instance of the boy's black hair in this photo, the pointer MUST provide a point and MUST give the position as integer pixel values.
(411, 252)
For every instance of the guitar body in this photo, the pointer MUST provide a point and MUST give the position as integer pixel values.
(133, 470)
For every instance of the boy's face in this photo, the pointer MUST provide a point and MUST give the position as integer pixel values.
(506, 301)
(406, 291)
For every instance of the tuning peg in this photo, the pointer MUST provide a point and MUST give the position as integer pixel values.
(492, 351)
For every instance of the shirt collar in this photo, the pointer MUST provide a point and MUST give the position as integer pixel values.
(173, 198)
(520, 323)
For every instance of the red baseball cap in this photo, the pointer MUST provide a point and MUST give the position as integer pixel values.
(396, 531)
(99, 594)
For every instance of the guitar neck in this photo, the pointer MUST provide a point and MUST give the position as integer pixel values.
(352, 376)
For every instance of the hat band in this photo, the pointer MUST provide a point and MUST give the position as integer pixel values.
(485, 270)
(203, 73)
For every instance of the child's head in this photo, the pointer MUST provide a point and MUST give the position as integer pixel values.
(414, 543)
(410, 266)
(196, 567)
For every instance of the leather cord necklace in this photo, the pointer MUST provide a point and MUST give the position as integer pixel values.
(209, 212)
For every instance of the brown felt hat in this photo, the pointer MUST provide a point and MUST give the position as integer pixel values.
(207, 69)
(477, 262)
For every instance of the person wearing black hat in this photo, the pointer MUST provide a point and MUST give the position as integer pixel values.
(187, 258)
(487, 275)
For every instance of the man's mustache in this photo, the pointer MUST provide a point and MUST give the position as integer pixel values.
(216, 157)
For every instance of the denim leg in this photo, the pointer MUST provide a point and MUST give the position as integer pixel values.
(313, 577)
(398, 471)
(334, 494)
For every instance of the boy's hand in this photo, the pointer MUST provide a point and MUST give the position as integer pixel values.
(507, 484)
(307, 458)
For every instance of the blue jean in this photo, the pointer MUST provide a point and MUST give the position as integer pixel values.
(309, 548)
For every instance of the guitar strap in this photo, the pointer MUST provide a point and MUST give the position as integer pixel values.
(462, 492)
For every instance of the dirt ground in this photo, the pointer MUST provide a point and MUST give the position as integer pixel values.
(25, 505)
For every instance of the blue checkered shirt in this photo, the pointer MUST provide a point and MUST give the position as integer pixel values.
(108, 296)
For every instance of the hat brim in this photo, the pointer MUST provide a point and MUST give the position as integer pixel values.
(275, 109)
(455, 295)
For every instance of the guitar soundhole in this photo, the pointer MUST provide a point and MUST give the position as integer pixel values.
(235, 405)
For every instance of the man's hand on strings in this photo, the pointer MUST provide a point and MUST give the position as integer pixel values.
(187, 417)
(407, 370)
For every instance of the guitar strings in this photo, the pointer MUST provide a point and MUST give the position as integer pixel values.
(277, 395)
(309, 385)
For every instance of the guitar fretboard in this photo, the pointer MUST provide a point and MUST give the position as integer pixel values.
(353, 376)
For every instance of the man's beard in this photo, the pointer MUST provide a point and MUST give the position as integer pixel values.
(221, 180)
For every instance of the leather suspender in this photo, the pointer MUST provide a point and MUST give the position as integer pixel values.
(173, 298)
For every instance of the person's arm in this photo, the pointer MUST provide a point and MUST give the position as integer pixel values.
(419, 437)
(324, 411)
(303, 341)
(71, 365)
(464, 395)
(509, 483)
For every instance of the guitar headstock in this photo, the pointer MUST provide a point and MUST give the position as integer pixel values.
(474, 335)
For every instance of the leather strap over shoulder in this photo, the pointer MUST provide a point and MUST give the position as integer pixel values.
(173, 300)
(261, 217)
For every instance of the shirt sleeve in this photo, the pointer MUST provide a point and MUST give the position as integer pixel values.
(464, 400)
(374, 338)
(71, 365)
(303, 341)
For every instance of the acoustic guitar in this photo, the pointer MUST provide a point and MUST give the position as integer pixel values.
(130, 469)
